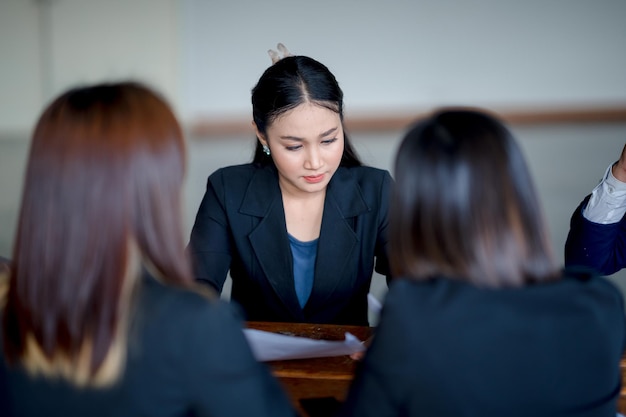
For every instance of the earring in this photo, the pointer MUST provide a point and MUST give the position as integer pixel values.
(266, 150)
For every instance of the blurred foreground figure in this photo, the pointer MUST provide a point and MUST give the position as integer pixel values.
(483, 323)
(99, 317)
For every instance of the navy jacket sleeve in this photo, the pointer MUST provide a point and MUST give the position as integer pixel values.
(601, 247)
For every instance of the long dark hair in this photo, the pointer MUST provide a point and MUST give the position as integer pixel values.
(102, 192)
(464, 204)
(288, 83)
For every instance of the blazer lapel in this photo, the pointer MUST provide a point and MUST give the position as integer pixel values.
(269, 238)
(338, 243)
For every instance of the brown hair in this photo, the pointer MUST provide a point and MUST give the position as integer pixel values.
(464, 205)
(101, 194)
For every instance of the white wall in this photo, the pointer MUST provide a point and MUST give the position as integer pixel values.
(48, 46)
(94, 40)
(206, 55)
(20, 71)
(411, 54)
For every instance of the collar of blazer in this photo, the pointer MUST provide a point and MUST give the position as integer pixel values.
(263, 190)
(337, 244)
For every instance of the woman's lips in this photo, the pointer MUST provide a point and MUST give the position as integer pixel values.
(312, 179)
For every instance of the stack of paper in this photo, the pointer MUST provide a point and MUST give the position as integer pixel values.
(268, 346)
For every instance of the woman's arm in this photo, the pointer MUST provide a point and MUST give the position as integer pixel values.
(382, 240)
(601, 247)
(209, 246)
(597, 235)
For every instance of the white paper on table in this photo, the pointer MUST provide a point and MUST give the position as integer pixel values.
(373, 304)
(269, 346)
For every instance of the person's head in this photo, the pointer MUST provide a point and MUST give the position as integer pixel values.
(298, 84)
(101, 196)
(464, 205)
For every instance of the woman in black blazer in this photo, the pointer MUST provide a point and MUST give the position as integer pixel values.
(301, 228)
(99, 315)
(481, 321)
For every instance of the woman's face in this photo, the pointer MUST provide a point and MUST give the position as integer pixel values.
(306, 145)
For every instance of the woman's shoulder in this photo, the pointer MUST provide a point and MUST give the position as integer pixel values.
(577, 290)
(166, 303)
(372, 181)
(181, 326)
(406, 293)
(234, 171)
(591, 284)
(367, 172)
(238, 176)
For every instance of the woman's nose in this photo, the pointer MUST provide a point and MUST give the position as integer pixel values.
(313, 159)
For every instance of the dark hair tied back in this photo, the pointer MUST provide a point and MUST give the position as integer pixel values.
(291, 81)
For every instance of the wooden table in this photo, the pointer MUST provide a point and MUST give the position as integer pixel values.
(317, 377)
(331, 377)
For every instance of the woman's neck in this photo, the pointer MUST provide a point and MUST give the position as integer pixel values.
(303, 215)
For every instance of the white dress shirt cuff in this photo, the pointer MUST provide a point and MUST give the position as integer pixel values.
(607, 203)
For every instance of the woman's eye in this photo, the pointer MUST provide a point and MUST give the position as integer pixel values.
(329, 141)
(293, 148)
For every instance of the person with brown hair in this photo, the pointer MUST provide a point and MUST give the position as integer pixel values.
(480, 320)
(100, 317)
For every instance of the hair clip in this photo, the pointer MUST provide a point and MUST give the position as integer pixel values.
(276, 56)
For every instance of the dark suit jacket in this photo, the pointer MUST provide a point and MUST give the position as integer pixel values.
(187, 356)
(241, 226)
(601, 247)
(445, 348)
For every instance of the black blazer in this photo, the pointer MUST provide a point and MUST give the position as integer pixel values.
(601, 247)
(445, 348)
(240, 226)
(187, 356)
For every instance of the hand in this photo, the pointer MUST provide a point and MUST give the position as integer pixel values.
(275, 56)
(357, 356)
(619, 168)
(360, 355)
